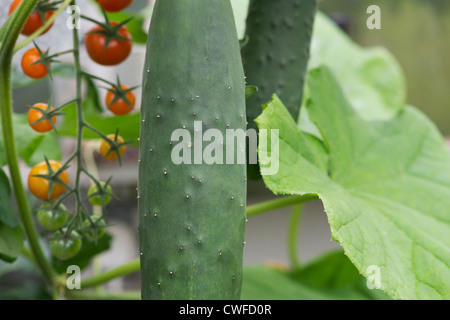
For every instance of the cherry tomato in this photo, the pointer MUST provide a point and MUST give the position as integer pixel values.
(33, 22)
(52, 218)
(105, 147)
(64, 249)
(120, 107)
(34, 115)
(114, 5)
(95, 197)
(116, 51)
(35, 71)
(97, 224)
(39, 186)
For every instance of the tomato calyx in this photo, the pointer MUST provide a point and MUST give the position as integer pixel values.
(53, 177)
(44, 6)
(45, 58)
(46, 114)
(100, 193)
(94, 227)
(120, 92)
(116, 146)
(109, 29)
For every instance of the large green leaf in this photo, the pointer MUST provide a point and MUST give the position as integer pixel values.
(371, 78)
(11, 242)
(128, 125)
(268, 283)
(387, 194)
(31, 145)
(11, 235)
(334, 270)
(7, 214)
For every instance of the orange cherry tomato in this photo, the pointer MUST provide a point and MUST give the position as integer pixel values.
(35, 71)
(33, 22)
(113, 54)
(39, 186)
(105, 147)
(34, 115)
(120, 107)
(114, 5)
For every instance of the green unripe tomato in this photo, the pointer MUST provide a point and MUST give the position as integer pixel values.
(65, 248)
(95, 195)
(98, 224)
(52, 218)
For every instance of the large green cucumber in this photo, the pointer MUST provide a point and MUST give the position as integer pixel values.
(191, 216)
(276, 55)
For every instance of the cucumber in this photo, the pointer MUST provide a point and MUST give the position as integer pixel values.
(276, 55)
(191, 216)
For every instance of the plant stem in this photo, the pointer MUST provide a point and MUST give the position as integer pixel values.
(296, 215)
(39, 31)
(6, 53)
(98, 78)
(91, 167)
(80, 118)
(83, 295)
(263, 207)
(28, 254)
(120, 271)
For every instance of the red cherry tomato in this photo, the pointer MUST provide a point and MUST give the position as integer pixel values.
(120, 107)
(116, 51)
(114, 5)
(33, 22)
(35, 71)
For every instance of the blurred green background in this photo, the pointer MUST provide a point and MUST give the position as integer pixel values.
(417, 32)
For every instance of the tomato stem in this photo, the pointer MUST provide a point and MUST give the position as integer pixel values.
(80, 117)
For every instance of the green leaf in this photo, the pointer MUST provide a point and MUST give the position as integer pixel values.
(129, 124)
(30, 144)
(11, 242)
(48, 146)
(92, 99)
(268, 283)
(250, 90)
(371, 78)
(88, 250)
(387, 193)
(334, 270)
(7, 214)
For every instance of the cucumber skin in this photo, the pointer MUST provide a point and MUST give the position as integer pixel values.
(191, 217)
(276, 55)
